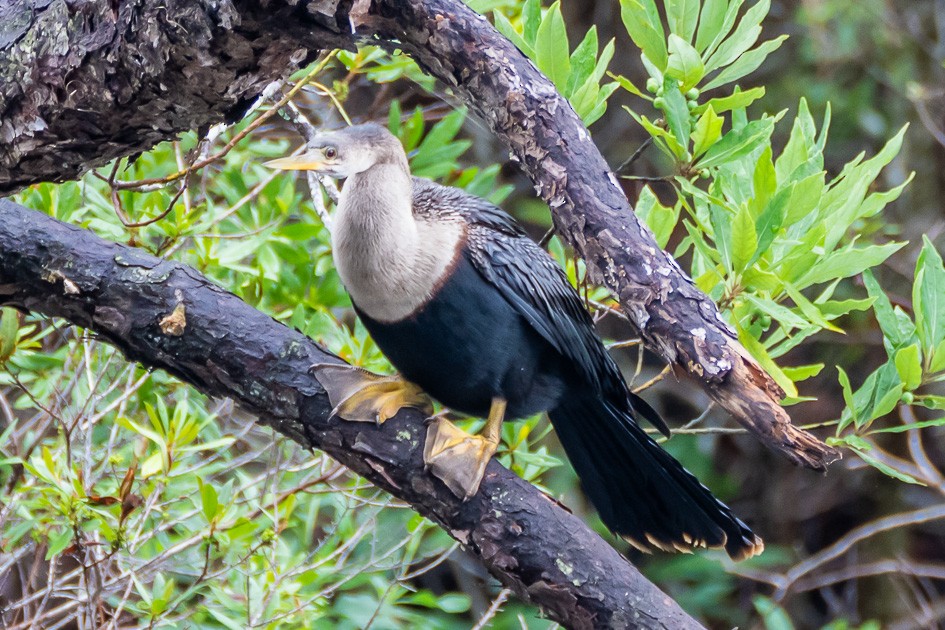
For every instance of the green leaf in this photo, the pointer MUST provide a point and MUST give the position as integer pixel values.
(675, 150)
(736, 100)
(809, 309)
(531, 20)
(804, 197)
(909, 365)
(134, 427)
(684, 63)
(583, 61)
(803, 372)
(58, 541)
(928, 296)
(660, 219)
(209, 500)
(552, 49)
(505, 27)
(849, 411)
(847, 262)
(710, 22)
(682, 16)
(744, 239)
(676, 114)
(862, 452)
(800, 144)
(744, 37)
(931, 401)
(720, 218)
(707, 132)
(761, 355)
(645, 30)
(785, 316)
(878, 395)
(936, 360)
(723, 30)
(897, 333)
(764, 182)
(843, 201)
(902, 428)
(9, 327)
(835, 308)
(628, 85)
(590, 99)
(775, 617)
(746, 63)
(737, 143)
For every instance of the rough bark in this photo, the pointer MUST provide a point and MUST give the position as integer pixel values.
(81, 84)
(224, 347)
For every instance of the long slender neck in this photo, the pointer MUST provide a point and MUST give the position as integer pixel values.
(389, 260)
(376, 207)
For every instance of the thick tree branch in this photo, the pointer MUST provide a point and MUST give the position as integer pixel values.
(82, 86)
(224, 347)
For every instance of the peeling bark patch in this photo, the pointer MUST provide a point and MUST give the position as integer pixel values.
(175, 323)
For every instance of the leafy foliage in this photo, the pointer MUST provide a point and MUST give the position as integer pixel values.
(761, 230)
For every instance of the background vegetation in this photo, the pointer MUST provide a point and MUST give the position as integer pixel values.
(775, 169)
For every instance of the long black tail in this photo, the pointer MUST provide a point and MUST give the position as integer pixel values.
(642, 494)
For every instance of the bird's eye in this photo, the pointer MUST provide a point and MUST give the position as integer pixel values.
(331, 152)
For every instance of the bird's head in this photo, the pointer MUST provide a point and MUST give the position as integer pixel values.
(346, 152)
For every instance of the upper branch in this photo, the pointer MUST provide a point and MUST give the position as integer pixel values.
(591, 211)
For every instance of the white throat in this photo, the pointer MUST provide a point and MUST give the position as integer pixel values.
(390, 261)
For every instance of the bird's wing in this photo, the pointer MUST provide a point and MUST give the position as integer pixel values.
(539, 289)
(535, 285)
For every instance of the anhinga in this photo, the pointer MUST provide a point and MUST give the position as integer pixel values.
(478, 316)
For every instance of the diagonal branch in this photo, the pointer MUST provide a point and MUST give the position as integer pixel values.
(166, 315)
(591, 212)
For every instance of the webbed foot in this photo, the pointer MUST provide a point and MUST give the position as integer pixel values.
(459, 459)
(361, 396)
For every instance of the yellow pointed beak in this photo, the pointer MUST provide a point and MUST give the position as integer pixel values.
(304, 162)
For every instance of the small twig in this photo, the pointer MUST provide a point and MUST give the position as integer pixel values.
(702, 416)
(493, 609)
(196, 166)
(120, 212)
(653, 381)
(644, 178)
(857, 571)
(786, 582)
(627, 343)
(636, 155)
(930, 473)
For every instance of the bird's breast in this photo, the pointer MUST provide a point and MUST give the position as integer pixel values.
(392, 272)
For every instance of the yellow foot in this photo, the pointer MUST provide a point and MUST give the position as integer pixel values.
(456, 457)
(360, 396)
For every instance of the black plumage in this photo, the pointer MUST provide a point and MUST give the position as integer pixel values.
(502, 322)
(538, 331)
